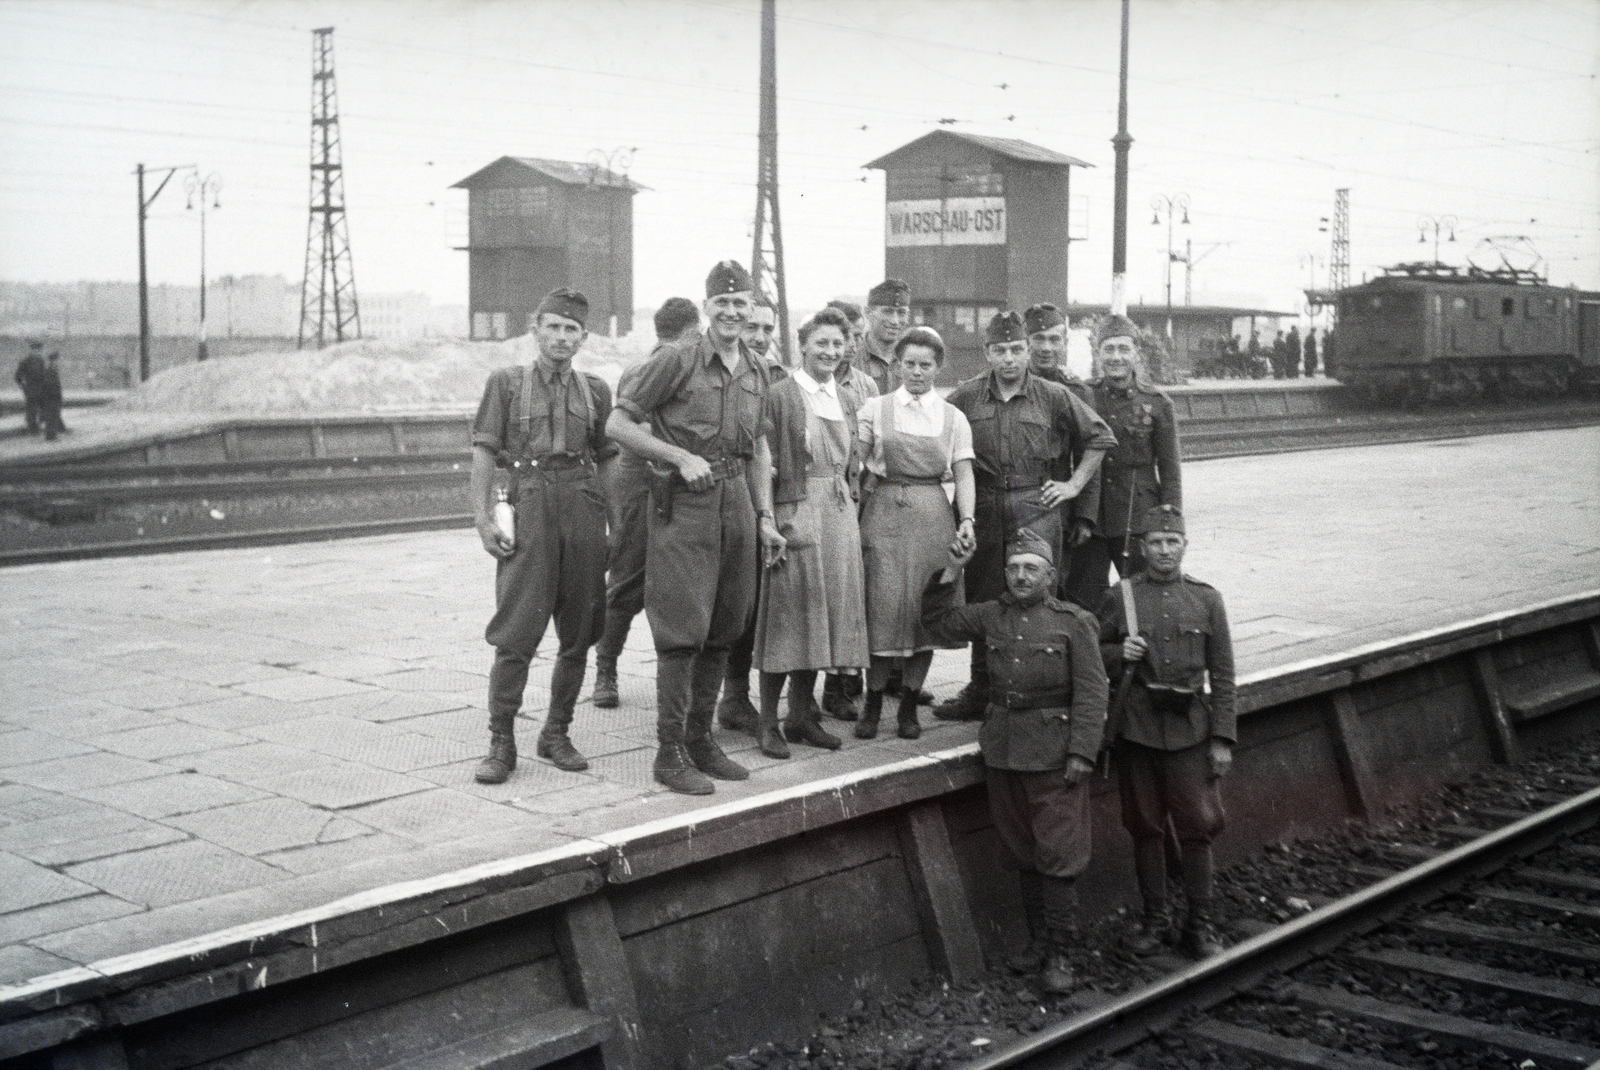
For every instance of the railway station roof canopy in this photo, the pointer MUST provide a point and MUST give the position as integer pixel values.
(1011, 148)
(516, 170)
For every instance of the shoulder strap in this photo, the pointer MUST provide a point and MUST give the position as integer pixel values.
(1129, 610)
(526, 419)
(588, 399)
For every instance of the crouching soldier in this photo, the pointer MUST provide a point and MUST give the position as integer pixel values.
(1164, 636)
(1045, 713)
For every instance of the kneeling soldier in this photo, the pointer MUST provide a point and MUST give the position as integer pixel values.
(546, 423)
(1164, 635)
(1046, 710)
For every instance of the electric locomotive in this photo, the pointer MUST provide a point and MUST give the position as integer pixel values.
(1428, 332)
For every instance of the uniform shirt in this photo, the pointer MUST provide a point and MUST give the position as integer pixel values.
(1080, 389)
(856, 383)
(924, 416)
(1187, 628)
(1048, 646)
(1143, 470)
(880, 367)
(1025, 436)
(556, 397)
(693, 401)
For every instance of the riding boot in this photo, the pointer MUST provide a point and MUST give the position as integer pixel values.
(1031, 958)
(565, 683)
(1199, 938)
(734, 711)
(804, 723)
(708, 669)
(867, 727)
(606, 696)
(907, 725)
(508, 678)
(672, 765)
(767, 732)
(1149, 935)
(835, 700)
(502, 759)
(1059, 899)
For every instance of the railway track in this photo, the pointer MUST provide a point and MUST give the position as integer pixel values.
(1465, 959)
(66, 512)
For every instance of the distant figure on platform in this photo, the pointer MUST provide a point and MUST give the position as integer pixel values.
(628, 505)
(1255, 348)
(1330, 352)
(813, 613)
(50, 398)
(914, 442)
(1291, 353)
(710, 513)
(29, 375)
(1046, 712)
(888, 315)
(1171, 729)
(1311, 353)
(1279, 357)
(545, 425)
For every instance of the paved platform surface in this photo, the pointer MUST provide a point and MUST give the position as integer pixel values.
(198, 740)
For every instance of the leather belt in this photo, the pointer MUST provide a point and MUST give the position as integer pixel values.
(1030, 700)
(725, 468)
(553, 462)
(986, 481)
(913, 481)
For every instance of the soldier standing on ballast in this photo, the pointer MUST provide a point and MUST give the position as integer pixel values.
(710, 504)
(1143, 469)
(1172, 727)
(545, 423)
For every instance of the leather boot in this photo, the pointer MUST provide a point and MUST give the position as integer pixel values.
(908, 727)
(606, 696)
(835, 701)
(672, 766)
(502, 759)
(804, 723)
(565, 683)
(1199, 939)
(735, 712)
(1057, 977)
(768, 734)
(867, 727)
(706, 674)
(1059, 898)
(966, 706)
(1031, 959)
(1149, 934)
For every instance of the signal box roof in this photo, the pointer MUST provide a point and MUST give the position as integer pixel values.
(1010, 148)
(516, 170)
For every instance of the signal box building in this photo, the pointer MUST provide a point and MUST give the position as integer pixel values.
(536, 224)
(975, 224)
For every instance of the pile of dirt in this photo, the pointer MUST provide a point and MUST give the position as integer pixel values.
(363, 376)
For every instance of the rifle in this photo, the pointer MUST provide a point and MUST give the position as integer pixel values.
(1119, 704)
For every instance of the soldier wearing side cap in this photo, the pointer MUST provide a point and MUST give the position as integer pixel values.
(888, 316)
(1172, 728)
(1047, 358)
(544, 425)
(710, 508)
(1023, 429)
(1044, 717)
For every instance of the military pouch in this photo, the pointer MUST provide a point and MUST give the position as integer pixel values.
(663, 485)
(1164, 698)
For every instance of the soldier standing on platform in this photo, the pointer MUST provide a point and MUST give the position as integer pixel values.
(1311, 353)
(1047, 358)
(1172, 727)
(1141, 471)
(710, 505)
(888, 315)
(1046, 713)
(628, 500)
(1023, 427)
(545, 422)
(29, 375)
(50, 398)
(1291, 353)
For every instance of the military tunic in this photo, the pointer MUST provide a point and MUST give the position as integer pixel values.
(882, 368)
(1047, 702)
(628, 498)
(856, 383)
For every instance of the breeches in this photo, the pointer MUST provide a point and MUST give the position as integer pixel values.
(1155, 784)
(1043, 823)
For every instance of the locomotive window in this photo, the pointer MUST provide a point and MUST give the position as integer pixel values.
(1508, 306)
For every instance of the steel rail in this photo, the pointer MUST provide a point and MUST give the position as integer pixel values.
(1145, 1013)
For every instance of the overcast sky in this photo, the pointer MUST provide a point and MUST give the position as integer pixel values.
(1257, 109)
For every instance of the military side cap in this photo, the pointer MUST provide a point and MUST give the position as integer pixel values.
(1115, 326)
(566, 303)
(1164, 518)
(1006, 327)
(890, 293)
(1027, 541)
(728, 277)
(1042, 317)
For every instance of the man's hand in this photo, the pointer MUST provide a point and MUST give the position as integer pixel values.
(493, 540)
(1134, 648)
(966, 539)
(961, 553)
(1082, 531)
(696, 471)
(773, 544)
(1057, 492)
(1077, 769)
(1221, 756)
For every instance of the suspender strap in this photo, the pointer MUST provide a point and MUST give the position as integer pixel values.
(525, 418)
(1129, 610)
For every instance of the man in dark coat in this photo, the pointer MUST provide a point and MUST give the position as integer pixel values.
(1291, 353)
(29, 374)
(1047, 358)
(1172, 727)
(50, 399)
(888, 316)
(1311, 353)
(543, 423)
(1044, 717)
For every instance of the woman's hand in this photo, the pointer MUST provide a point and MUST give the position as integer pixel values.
(966, 538)
(773, 544)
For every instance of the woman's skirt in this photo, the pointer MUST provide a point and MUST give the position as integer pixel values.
(906, 532)
(812, 613)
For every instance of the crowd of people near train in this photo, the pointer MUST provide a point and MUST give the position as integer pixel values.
(838, 517)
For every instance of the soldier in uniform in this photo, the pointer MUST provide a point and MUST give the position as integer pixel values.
(1143, 470)
(888, 315)
(1311, 353)
(545, 423)
(1172, 735)
(1023, 428)
(710, 503)
(1046, 711)
(628, 499)
(29, 374)
(1047, 358)
(1291, 353)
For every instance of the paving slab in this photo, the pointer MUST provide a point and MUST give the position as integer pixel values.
(302, 722)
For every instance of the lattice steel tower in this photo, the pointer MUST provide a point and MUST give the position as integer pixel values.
(1339, 261)
(766, 259)
(328, 308)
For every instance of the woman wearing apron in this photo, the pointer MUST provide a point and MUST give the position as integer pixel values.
(913, 442)
(812, 613)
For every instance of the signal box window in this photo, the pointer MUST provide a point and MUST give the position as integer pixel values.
(1508, 306)
(1458, 304)
(966, 320)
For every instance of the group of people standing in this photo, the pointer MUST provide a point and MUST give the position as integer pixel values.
(841, 518)
(40, 379)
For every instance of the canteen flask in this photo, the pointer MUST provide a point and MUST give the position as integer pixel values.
(505, 516)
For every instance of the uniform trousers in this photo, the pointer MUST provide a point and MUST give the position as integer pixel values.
(1044, 826)
(1156, 785)
(629, 498)
(699, 593)
(1089, 564)
(998, 515)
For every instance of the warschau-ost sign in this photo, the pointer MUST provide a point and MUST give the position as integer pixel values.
(952, 221)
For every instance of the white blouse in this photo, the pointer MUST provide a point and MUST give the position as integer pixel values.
(924, 416)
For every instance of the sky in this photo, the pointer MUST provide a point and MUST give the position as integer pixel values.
(1485, 111)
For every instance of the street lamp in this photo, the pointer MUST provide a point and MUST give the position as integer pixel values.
(204, 190)
(614, 164)
(1177, 203)
(1437, 223)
